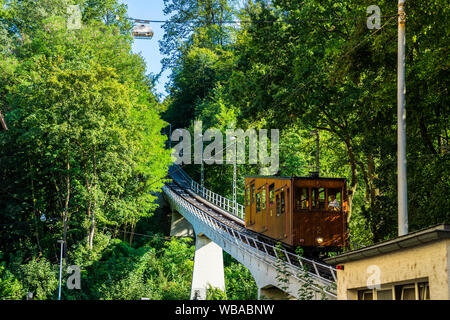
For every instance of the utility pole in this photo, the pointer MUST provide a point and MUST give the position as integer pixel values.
(401, 124)
(316, 173)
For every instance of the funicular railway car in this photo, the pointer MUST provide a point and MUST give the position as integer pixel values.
(310, 212)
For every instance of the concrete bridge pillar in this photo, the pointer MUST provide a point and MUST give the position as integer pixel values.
(179, 226)
(208, 268)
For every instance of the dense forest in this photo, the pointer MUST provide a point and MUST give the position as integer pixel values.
(84, 156)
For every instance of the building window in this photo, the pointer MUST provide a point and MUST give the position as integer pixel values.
(384, 294)
(365, 295)
(424, 291)
(405, 292)
(409, 291)
(413, 291)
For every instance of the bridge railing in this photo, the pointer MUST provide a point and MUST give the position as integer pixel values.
(226, 204)
(323, 273)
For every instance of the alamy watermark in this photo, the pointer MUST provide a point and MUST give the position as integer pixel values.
(74, 19)
(74, 280)
(209, 147)
(374, 20)
(374, 279)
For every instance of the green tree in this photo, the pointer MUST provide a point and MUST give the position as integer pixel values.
(40, 278)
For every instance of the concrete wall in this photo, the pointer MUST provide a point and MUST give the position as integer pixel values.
(427, 262)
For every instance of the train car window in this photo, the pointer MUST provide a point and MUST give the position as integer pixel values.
(271, 193)
(263, 199)
(278, 204)
(301, 198)
(318, 198)
(334, 199)
(315, 198)
(283, 202)
(288, 197)
(322, 198)
(252, 188)
(258, 202)
(247, 196)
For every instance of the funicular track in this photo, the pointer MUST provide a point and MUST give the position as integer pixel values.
(187, 189)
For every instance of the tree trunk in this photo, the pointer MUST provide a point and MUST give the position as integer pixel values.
(92, 227)
(133, 228)
(354, 180)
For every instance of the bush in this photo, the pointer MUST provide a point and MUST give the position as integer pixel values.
(10, 286)
(41, 278)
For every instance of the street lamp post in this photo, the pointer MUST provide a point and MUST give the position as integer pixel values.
(202, 177)
(235, 206)
(60, 268)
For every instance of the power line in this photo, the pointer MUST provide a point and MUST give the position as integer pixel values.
(155, 236)
(260, 21)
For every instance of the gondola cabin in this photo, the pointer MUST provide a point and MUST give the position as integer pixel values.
(298, 211)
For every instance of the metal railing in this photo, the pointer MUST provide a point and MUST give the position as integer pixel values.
(263, 251)
(226, 204)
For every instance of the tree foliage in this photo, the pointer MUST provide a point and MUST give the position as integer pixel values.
(84, 149)
(303, 65)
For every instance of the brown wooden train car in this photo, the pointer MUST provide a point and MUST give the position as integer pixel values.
(298, 211)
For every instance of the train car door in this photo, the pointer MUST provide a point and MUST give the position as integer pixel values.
(333, 218)
(280, 209)
(318, 202)
(252, 203)
(304, 216)
(261, 208)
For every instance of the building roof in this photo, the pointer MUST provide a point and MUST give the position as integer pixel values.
(2, 123)
(409, 240)
(295, 178)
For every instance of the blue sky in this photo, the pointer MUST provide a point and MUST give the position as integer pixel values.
(149, 49)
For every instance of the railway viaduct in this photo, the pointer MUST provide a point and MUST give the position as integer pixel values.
(218, 225)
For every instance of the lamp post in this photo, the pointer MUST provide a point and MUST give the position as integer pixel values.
(202, 177)
(235, 207)
(60, 268)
